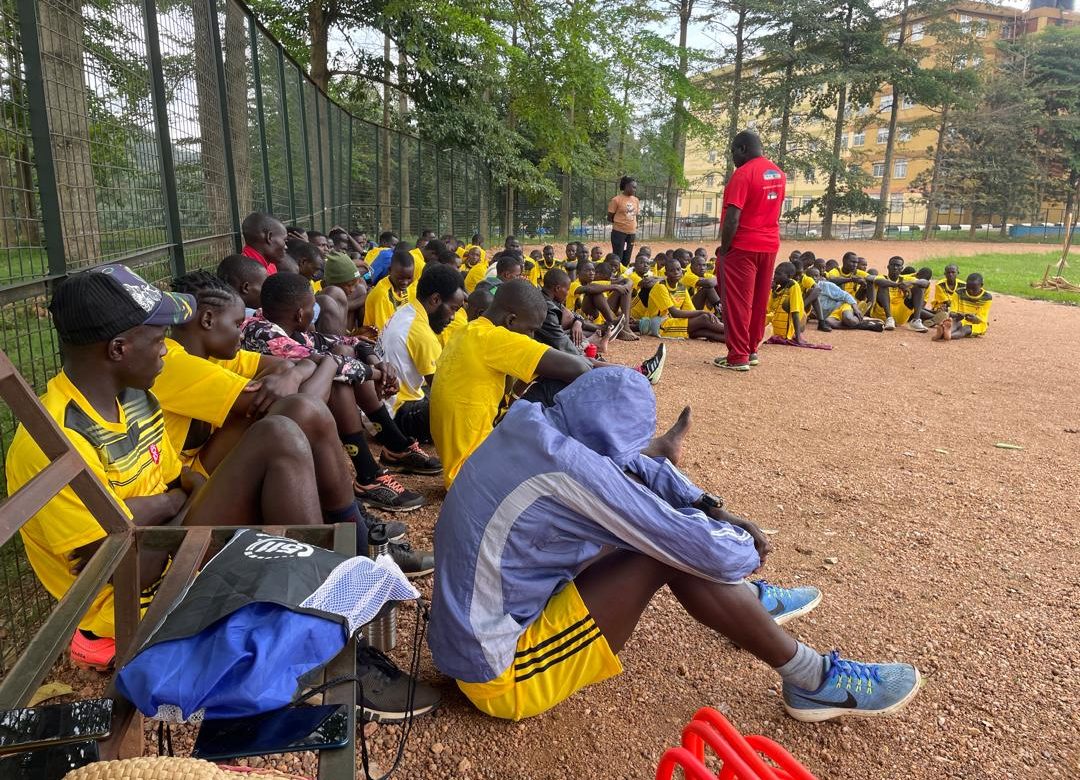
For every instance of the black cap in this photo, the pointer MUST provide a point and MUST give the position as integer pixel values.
(102, 303)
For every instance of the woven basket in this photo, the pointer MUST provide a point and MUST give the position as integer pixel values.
(165, 768)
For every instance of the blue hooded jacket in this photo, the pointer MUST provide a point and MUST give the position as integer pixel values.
(541, 496)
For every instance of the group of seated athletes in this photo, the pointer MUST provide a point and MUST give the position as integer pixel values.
(248, 397)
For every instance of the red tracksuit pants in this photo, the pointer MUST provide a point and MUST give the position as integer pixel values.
(747, 283)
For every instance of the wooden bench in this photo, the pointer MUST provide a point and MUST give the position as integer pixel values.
(117, 560)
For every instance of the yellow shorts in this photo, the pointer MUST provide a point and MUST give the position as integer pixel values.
(838, 312)
(559, 654)
(900, 312)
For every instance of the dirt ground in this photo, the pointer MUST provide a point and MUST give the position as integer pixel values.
(953, 554)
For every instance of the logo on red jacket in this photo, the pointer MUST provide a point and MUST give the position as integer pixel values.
(155, 453)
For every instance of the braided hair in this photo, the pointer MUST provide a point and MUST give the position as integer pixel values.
(210, 291)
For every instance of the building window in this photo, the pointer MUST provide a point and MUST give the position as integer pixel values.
(712, 155)
(806, 200)
(858, 139)
(917, 31)
(787, 204)
(903, 134)
(844, 141)
(883, 135)
(899, 170)
(879, 170)
(896, 202)
(885, 102)
(793, 177)
(982, 28)
(965, 22)
(709, 180)
(708, 205)
(908, 102)
(893, 37)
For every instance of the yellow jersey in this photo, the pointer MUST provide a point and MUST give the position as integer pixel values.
(418, 270)
(475, 275)
(662, 298)
(132, 457)
(382, 301)
(978, 305)
(781, 306)
(412, 347)
(470, 381)
(196, 394)
(460, 320)
(945, 295)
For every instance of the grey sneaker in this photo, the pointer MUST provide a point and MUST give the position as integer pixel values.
(414, 563)
(890, 323)
(917, 325)
(386, 689)
(389, 495)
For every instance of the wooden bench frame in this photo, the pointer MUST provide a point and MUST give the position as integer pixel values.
(117, 560)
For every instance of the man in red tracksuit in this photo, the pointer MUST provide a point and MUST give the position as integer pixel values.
(749, 240)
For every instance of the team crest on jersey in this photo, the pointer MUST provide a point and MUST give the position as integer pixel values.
(771, 175)
(155, 453)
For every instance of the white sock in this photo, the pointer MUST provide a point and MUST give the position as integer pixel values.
(805, 670)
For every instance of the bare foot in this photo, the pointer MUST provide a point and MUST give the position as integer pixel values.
(946, 331)
(939, 333)
(669, 445)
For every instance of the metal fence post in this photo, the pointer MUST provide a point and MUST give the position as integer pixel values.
(438, 192)
(256, 72)
(348, 176)
(319, 156)
(285, 130)
(452, 225)
(39, 129)
(164, 141)
(378, 182)
(226, 125)
(307, 147)
(401, 189)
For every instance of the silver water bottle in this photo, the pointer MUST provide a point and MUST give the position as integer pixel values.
(381, 632)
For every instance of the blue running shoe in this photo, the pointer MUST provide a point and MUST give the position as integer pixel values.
(853, 688)
(786, 604)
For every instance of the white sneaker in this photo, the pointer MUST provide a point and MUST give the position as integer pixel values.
(917, 326)
(890, 324)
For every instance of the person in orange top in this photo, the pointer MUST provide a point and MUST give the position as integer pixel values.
(623, 212)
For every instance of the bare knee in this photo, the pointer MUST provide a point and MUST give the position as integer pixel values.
(310, 414)
(278, 435)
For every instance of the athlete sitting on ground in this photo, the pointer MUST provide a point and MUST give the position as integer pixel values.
(528, 608)
(473, 369)
(899, 297)
(839, 306)
(970, 312)
(111, 324)
(671, 313)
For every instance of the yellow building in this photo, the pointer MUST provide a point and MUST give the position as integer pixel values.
(867, 127)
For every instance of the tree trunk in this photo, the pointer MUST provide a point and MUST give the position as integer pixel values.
(319, 30)
(736, 86)
(932, 199)
(830, 188)
(678, 124)
(622, 127)
(403, 111)
(211, 136)
(384, 144)
(563, 228)
(236, 91)
(890, 142)
(60, 26)
(838, 134)
(785, 117)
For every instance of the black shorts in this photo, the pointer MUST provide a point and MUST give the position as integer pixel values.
(414, 420)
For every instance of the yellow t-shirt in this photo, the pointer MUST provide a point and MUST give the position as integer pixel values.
(464, 250)
(690, 279)
(197, 395)
(980, 306)
(475, 275)
(535, 275)
(850, 287)
(382, 302)
(661, 299)
(637, 308)
(460, 321)
(943, 295)
(470, 380)
(132, 458)
(412, 347)
(781, 306)
(418, 270)
(900, 310)
(805, 283)
(372, 253)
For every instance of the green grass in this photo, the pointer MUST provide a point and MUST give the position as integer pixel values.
(1012, 274)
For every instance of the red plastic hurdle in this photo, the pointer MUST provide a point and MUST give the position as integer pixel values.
(741, 756)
